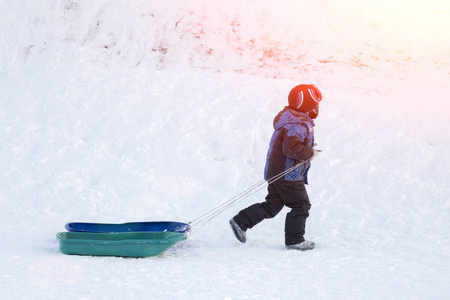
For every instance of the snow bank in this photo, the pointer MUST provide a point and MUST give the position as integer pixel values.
(309, 39)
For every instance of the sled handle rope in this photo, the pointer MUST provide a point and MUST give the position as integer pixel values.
(207, 217)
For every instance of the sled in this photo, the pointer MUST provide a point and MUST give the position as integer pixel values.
(164, 226)
(124, 244)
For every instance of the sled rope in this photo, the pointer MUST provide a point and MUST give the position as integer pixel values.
(207, 217)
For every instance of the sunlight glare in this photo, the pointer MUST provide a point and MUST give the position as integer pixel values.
(415, 18)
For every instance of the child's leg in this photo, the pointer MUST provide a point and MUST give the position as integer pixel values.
(252, 215)
(295, 197)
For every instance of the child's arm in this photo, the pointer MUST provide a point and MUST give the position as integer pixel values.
(294, 147)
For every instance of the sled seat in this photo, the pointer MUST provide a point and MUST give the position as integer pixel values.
(164, 226)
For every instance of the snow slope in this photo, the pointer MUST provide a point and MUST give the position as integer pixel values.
(118, 111)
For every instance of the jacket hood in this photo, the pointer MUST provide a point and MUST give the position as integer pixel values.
(291, 116)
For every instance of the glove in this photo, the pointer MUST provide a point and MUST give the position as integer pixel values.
(316, 151)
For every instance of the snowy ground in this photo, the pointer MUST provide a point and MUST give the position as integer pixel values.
(95, 126)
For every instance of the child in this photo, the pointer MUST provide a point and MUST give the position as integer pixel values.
(291, 143)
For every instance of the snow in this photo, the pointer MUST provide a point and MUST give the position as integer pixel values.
(118, 111)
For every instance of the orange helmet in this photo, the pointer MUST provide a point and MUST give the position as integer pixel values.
(305, 98)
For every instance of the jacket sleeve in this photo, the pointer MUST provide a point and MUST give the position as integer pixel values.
(294, 147)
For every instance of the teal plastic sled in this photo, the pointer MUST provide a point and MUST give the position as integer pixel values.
(126, 244)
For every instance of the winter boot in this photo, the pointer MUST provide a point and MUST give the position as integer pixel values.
(303, 246)
(238, 232)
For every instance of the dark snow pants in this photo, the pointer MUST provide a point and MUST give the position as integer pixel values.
(292, 195)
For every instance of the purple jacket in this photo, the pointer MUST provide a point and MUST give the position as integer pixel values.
(291, 143)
